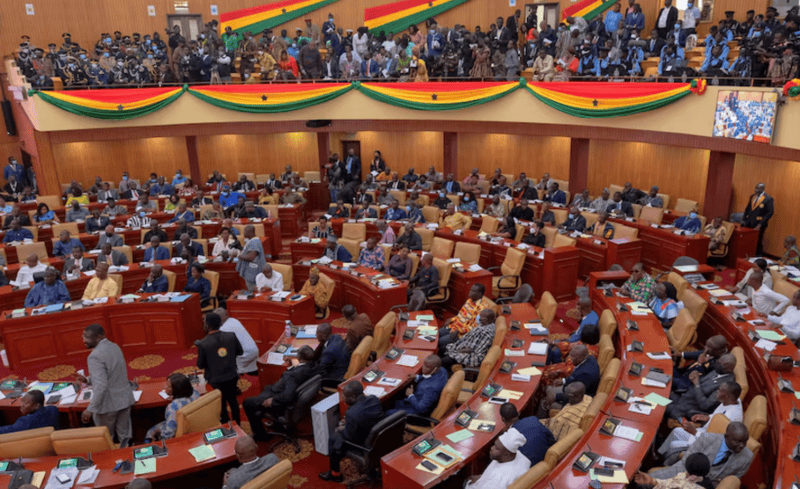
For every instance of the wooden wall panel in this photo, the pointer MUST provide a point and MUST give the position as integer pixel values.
(513, 154)
(679, 172)
(780, 179)
(400, 150)
(139, 157)
(258, 153)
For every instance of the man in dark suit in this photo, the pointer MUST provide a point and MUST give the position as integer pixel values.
(450, 186)
(620, 207)
(575, 221)
(77, 262)
(352, 166)
(665, 21)
(216, 354)
(654, 45)
(537, 437)
(502, 36)
(366, 212)
(275, 398)
(759, 210)
(186, 242)
(111, 256)
(332, 355)
(587, 371)
(23, 218)
(513, 22)
(703, 361)
(363, 413)
(132, 193)
(702, 396)
(423, 394)
(109, 237)
(729, 458)
(156, 282)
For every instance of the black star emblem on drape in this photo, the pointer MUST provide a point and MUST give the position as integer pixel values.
(595, 103)
(434, 96)
(120, 107)
(283, 10)
(430, 4)
(264, 98)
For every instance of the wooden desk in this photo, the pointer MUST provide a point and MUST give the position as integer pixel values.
(265, 319)
(742, 243)
(49, 338)
(706, 271)
(661, 247)
(178, 461)
(399, 467)
(358, 291)
(617, 278)
(291, 219)
(598, 254)
(776, 466)
(416, 343)
(306, 251)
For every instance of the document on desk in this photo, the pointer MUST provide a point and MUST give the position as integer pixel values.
(530, 371)
(371, 390)
(52, 482)
(537, 349)
(514, 353)
(619, 477)
(659, 355)
(203, 453)
(459, 435)
(640, 407)
(88, 476)
(408, 361)
(425, 317)
(628, 433)
(653, 383)
(769, 334)
(657, 399)
(146, 466)
(137, 395)
(766, 344)
(719, 293)
(274, 358)
(388, 381)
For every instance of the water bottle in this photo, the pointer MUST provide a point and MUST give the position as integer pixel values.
(288, 328)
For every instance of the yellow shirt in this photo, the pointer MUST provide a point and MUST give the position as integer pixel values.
(457, 221)
(268, 200)
(100, 288)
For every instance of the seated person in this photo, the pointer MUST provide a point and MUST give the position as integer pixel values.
(31, 267)
(415, 214)
(765, 301)
(101, 285)
(371, 255)
(728, 454)
(340, 212)
(215, 212)
(789, 321)
(507, 228)
(156, 282)
(575, 221)
(24, 220)
(535, 236)
(111, 256)
(400, 265)
(639, 286)
(76, 263)
(665, 308)
(386, 232)
(363, 413)
(507, 465)
(322, 230)
(587, 372)
(496, 208)
(156, 251)
(422, 395)
(274, 399)
(471, 348)
(200, 199)
(312, 287)
(410, 238)
(582, 200)
(602, 227)
(137, 221)
(358, 326)
(76, 213)
(180, 390)
(690, 223)
(145, 204)
(34, 414)
(467, 317)
(244, 185)
(112, 209)
(695, 477)
(619, 207)
(269, 280)
(537, 437)
(588, 316)
(717, 232)
(576, 401)
(227, 244)
(65, 244)
(48, 291)
(455, 220)
(251, 211)
(702, 396)
(410, 177)
(559, 362)
(442, 201)
(252, 466)
(555, 195)
(182, 213)
(426, 278)
(468, 203)
(109, 236)
(703, 361)
(682, 437)
(652, 199)
(197, 283)
(791, 256)
(546, 216)
(422, 183)
(45, 216)
(187, 243)
(501, 187)
(155, 230)
(366, 212)
(395, 212)
(183, 228)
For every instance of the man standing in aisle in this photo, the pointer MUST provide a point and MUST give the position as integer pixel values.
(251, 259)
(112, 395)
(757, 214)
(353, 166)
(216, 354)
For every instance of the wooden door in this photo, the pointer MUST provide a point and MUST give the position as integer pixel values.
(190, 24)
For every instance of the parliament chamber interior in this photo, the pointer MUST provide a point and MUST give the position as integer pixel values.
(479, 244)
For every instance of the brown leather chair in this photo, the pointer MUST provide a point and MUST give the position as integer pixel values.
(562, 240)
(447, 401)
(353, 234)
(651, 215)
(443, 294)
(609, 377)
(500, 331)
(199, 415)
(598, 401)
(212, 277)
(722, 250)
(359, 357)
(487, 365)
(489, 224)
(286, 272)
(607, 323)
(329, 284)
(683, 331)
(561, 216)
(740, 372)
(509, 279)
(118, 280)
(427, 237)
(171, 276)
(547, 308)
(605, 352)
(730, 482)
(679, 282)
(695, 304)
(431, 213)
(277, 477)
(562, 447)
(25, 250)
(550, 234)
(72, 227)
(442, 248)
(686, 206)
(755, 417)
(27, 444)
(532, 476)
(383, 332)
(84, 440)
(127, 251)
(623, 231)
(467, 252)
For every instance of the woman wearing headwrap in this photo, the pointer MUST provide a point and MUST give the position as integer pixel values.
(318, 291)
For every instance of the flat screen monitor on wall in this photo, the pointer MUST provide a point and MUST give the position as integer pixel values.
(746, 115)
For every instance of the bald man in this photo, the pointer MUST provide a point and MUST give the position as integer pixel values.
(134, 484)
(423, 395)
(252, 465)
(702, 395)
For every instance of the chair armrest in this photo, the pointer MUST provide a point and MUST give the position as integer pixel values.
(516, 282)
(472, 372)
(501, 300)
(399, 307)
(331, 382)
(354, 446)
(420, 420)
(492, 268)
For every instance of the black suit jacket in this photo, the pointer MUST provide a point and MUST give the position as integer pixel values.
(589, 373)
(333, 359)
(284, 391)
(761, 214)
(24, 220)
(216, 354)
(626, 208)
(398, 185)
(360, 418)
(456, 187)
(657, 45)
(672, 17)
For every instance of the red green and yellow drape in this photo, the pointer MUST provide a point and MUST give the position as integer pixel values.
(113, 104)
(579, 99)
(588, 9)
(256, 19)
(398, 16)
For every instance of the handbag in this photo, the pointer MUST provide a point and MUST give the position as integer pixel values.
(779, 363)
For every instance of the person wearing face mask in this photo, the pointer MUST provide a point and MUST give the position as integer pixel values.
(179, 178)
(96, 74)
(74, 76)
(328, 28)
(575, 221)
(690, 18)
(109, 236)
(690, 223)
(76, 212)
(228, 198)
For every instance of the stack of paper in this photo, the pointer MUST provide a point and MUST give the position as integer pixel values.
(274, 358)
(52, 482)
(766, 344)
(408, 361)
(371, 390)
(768, 334)
(531, 371)
(628, 433)
(537, 349)
(88, 476)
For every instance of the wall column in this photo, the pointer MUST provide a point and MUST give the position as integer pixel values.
(450, 161)
(323, 150)
(578, 165)
(194, 160)
(719, 185)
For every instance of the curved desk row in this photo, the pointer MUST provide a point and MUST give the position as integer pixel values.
(265, 318)
(140, 325)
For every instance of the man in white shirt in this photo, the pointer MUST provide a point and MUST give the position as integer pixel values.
(789, 321)
(765, 301)
(680, 439)
(31, 267)
(690, 17)
(246, 362)
(507, 465)
(744, 290)
(269, 279)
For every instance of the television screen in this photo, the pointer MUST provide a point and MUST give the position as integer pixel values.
(746, 115)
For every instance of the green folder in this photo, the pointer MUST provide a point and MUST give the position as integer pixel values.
(459, 435)
(203, 453)
(147, 466)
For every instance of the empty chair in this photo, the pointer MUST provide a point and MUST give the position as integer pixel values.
(27, 444)
(686, 206)
(694, 304)
(607, 323)
(685, 261)
(329, 284)
(739, 372)
(171, 277)
(605, 351)
(80, 441)
(532, 476)
(755, 417)
(443, 293)
(683, 331)
(383, 332)
(522, 295)
(489, 224)
(547, 308)
(277, 477)
(562, 447)
(427, 237)
(467, 252)
(509, 279)
(487, 365)
(609, 377)
(442, 248)
(431, 213)
(679, 282)
(652, 215)
(383, 438)
(598, 401)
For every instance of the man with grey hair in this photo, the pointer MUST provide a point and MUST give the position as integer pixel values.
(601, 203)
(269, 280)
(652, 199)
(48, 291)
(251, 259)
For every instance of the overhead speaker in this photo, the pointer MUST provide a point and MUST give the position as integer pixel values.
(318, 123)
(8, 117)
